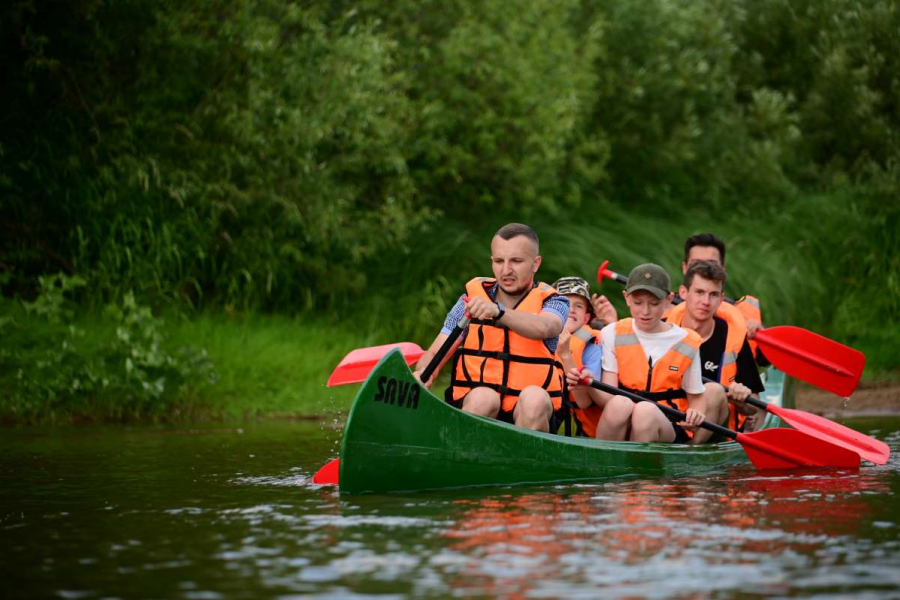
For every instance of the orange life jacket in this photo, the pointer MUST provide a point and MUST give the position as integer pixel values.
(497, 357)
(729, 312)
(586, 419)
(662, 381)
(749, 308)
(727, 372)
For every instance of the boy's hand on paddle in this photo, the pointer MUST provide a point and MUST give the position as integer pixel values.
(578, 376)
(604, 309)
(752, 327)
(738, 393)
(692, 420)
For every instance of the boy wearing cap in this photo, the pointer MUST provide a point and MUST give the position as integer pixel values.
(652, 358)
(579, 346)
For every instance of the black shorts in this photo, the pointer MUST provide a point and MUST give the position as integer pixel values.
(681, 435)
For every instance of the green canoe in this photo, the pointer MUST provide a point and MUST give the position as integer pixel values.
(399, 437)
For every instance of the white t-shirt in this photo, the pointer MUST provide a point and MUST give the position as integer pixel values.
(655, 345)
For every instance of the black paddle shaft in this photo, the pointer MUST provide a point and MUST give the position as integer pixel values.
(667, 410)
(750, 399)
(445, 347)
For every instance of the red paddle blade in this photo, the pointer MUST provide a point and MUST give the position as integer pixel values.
(357, 365)
(867, 447)
(781, 448)
(601, 271)
(813, 358)
(328, 474)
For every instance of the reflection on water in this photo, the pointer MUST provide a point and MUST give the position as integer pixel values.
(230, 513)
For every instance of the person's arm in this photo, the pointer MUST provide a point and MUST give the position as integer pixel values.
(579, 392)
(692, 383)
(429, 356)
(536, 327)
(452, 319)
(604, 309)
(747, 381)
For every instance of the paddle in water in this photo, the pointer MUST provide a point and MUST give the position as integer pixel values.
(867, 447)
(800, 353)
(776, 448)
(329, 474)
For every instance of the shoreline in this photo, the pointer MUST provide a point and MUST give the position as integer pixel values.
(869, 400)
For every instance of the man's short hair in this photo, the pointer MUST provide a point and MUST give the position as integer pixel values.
(511, 230)
(705, 240)
(706, 269)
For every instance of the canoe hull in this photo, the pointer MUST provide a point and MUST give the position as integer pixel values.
(401, 438)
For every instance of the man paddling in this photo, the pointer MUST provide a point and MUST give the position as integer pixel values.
(504, 364)
(654, 359)
(725, 354)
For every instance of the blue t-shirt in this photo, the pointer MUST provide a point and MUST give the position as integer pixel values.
(558, 305)
(592, 357)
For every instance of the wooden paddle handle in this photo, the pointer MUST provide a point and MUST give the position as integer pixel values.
(667, 410)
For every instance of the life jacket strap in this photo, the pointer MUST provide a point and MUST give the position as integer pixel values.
(506, 356)
(500, 389)
(656, 396)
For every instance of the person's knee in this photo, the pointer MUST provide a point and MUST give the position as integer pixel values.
(619, 409)
(482, 401)
(715, 394)
(534, 403)
(716, 401)
(643, 416)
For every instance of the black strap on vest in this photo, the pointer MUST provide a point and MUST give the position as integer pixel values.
(669, 396)
(505, 357)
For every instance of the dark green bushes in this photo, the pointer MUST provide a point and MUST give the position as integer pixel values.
(51, 366)
(288, 157)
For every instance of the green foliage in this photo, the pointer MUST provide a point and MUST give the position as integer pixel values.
(501, 93)
(833, 60)
(350, 159)
(668, 102)
(54, 370)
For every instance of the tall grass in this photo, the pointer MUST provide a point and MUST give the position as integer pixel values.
(815, 262)
(271, 364)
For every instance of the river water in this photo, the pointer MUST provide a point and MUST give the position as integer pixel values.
(227, 511)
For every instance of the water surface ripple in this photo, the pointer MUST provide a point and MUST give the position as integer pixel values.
(229, 512)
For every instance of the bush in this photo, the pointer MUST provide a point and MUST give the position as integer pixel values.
(54, 370)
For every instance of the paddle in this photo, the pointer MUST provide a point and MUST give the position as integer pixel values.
(867, 447)
(775, 448)
(329, 474)
(800, 353)
(355, 367)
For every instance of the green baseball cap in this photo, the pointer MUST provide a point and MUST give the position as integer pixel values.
(649, 277)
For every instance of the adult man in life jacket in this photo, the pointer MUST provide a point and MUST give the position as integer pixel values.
(652, 358)
(724, 352)
(505, 365)
(708, 246)
(579, 346)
